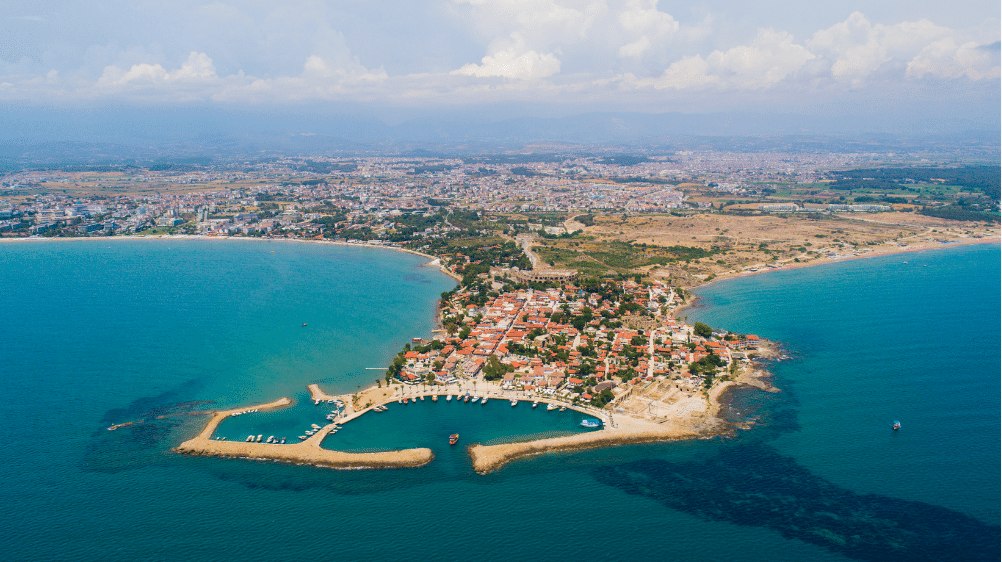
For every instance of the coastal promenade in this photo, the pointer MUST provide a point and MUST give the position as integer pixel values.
(305, 452)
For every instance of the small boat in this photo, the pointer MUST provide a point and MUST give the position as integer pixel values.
(283, 441)
(310, 432)
(514, 402)
(476, 399)
(314, 426)
(250, 438)
(271, 439)
(448, 398)
(258, 440)
(434, 398)
(466, 398)
(483, 400)
(422, 398)
(535, 403)
(304, 324)
(551, 407)
(453, 439)
(302, 437)
(591, 423)
(562, 408)
(896, 425)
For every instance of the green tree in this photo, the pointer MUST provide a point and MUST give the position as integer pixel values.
(702, 330)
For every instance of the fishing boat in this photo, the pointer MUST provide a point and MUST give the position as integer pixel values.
(466, 398)
(551, 407)
(453, 439)
(591, 423)
(896, 425)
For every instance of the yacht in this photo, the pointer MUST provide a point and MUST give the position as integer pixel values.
(448, 398)
(483, 401)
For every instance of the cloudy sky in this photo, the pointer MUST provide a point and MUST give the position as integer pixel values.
(580, 55)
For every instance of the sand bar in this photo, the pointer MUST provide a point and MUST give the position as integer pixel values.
(305, 452)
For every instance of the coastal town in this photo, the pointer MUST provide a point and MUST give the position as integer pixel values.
(573, 272)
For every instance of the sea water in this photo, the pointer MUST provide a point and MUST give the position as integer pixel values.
(100, 332)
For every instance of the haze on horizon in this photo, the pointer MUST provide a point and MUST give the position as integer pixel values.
(898, 67)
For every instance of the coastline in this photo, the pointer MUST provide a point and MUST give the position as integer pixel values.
(432, 260)
(919, 247)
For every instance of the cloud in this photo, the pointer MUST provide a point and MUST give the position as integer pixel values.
(642, 17)
(945, 59)
(512, 61)
(770, 58)
(857, 48)
(198, 68)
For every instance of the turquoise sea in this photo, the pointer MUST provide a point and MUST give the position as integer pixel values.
(98, 332)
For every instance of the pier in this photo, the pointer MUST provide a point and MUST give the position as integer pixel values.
(305, 452)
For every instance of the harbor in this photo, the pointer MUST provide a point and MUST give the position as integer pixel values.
(499, 425)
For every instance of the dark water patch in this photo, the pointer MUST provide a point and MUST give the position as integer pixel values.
(147, 425)
(753, 485)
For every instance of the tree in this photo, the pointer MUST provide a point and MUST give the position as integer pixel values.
(494, 369)
(702, 330)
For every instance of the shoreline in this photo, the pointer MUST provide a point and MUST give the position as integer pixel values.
(432, 260)
(306, 452)
(922, 247)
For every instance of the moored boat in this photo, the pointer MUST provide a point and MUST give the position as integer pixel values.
(514, 402)
(535, 403)
(483, 401)
(258, 440)
(551, 406)
(249, 439)
(448, 398)
(590, 423)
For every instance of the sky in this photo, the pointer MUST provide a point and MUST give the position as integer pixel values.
(512, 57)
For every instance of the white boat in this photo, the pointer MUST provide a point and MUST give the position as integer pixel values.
(551, 407)
(258, 440)
(476, 399)
(249, 439)
(422, 397)
(591, 423)
(484, 401)
(310, 432)
(271, 439)
(302, 437)
(448, 398)
(514, 402)
(562, 408)
(283, 441)
(314, 426)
